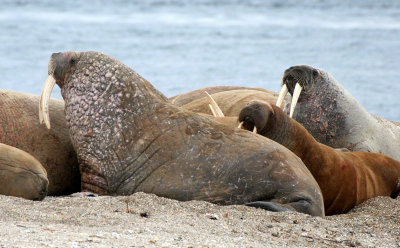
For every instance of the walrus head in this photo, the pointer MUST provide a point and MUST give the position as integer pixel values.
(255, 116)
(322, 105)
(294, 80)
(60, 66)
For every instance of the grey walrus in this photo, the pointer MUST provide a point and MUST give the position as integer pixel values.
(21, 174)
(334, 117)
(20, 128)
(130, 138)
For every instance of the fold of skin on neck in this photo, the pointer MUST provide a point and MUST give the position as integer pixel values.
(345, 178)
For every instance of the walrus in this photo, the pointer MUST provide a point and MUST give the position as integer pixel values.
(129, 137)
(346, 178)
(21, 175)
(20, 128)
(185, 98)
(231, 101)
(334, 117)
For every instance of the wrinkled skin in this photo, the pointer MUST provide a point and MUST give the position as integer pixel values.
(232, 101)
(346, 178)
(335, 118)
(20, 128)
(130, 138)
(185, 98)
(21, 175)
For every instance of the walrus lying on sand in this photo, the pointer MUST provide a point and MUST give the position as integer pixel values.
(185, 98)
(333, 116)
(21, 174)
(345, 178)
(130, 138)
(52, 148)
(232, 101)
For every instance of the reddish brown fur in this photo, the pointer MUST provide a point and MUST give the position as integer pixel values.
(345, 178)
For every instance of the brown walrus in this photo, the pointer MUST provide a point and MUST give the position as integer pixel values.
(345, 178)
(334, 117)
(232, 101)
(185, 98)
(19, 127)
(130, 138)
(21, 174)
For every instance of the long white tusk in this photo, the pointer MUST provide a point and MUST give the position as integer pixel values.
(217, 110)
(240, 125)
(296, 94)
(212, 110)
(255, 129)
(282, 95)
(44, 101)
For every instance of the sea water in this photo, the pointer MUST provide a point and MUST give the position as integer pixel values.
(184, 45)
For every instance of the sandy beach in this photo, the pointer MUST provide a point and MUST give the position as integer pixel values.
(145, 220)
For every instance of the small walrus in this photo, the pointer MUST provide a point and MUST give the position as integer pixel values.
(345, 178)
(21, 175)
(130, 138)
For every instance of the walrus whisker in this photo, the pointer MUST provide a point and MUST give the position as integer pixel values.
(282, 95)
(296, 94)
(217, 109)
(240, 124)
(44, 101)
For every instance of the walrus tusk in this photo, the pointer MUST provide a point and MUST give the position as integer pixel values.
(296, 94)
(240, 125)
(217, 112)
(44, 101)
(255, 129)
(282, 95)
(212, 110)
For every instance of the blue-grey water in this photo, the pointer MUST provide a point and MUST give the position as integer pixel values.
(185, 45)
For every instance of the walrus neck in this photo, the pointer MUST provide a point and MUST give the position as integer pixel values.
(289, 133)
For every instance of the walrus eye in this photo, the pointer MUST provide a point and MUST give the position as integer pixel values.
(315, 73)
(271, 114)
(72, 61)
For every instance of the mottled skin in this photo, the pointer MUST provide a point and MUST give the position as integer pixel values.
(232, 101)
(345, 178)
(185, 98)
(130, 138)
(335, 118)
(21, 175)
(20, 128)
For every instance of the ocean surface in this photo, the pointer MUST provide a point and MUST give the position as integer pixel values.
(180, 46)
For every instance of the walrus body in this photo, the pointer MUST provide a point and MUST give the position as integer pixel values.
(335, 118)
(345, 178)
(21, 175)
(185, 98)
(130, 138)
(20, 128)
(232, 101)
